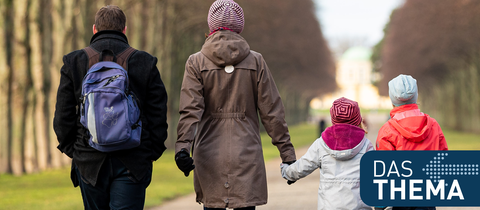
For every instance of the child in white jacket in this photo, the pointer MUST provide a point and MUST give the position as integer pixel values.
(337, 153)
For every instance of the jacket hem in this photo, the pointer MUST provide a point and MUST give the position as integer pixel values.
(233, 206)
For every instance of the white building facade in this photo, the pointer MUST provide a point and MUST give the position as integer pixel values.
(354, 79)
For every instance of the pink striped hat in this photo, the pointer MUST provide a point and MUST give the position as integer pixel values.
(226, 13)
(345, 111)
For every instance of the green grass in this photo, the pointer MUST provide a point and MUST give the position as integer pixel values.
(48, 190)
(168, 182)
(462, 141)
(53, 190)
(301, 135)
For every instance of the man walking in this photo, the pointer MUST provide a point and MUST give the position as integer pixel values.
(118, 179)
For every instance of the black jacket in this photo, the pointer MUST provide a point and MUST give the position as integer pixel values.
(147, 85)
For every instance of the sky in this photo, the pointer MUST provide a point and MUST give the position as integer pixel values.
(361, 20)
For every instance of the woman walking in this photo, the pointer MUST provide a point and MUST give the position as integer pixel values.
(226, 86)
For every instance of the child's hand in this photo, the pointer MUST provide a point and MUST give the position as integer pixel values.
(282, 167)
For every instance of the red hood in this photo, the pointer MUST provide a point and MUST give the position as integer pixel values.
(412, 124)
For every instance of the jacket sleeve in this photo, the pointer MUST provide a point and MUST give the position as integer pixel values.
(272, 113)
(191, 108)
(155, 107)
(305, 165)
(443, 141)
(65, 118)
(384, 139)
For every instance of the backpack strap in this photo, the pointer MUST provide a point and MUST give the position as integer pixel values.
(92, 55)
(122, 58)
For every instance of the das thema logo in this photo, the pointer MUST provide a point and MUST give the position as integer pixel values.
(420, 178)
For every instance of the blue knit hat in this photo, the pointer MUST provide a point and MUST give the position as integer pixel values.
(403, 90)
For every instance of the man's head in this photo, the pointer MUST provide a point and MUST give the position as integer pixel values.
(110, 17)
(345, 111)
(226, 13)
(403, 90)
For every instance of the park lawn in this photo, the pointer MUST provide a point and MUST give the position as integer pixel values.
(53, 189)
(168, 182)
(462, 141)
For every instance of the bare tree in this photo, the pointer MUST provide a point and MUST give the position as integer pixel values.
(31, 57)
(437, 43)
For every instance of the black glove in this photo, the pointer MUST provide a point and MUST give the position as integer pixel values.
(290, 163)
(184, 162)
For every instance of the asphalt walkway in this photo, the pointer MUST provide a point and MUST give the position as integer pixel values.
(301, 195)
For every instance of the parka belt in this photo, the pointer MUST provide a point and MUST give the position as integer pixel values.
(228, 115)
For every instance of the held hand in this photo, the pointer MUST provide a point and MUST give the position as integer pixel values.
(184, 162)
(289, 163)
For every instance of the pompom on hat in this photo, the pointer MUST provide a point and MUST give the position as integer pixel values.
(403, 90)
(345, 111)
(226, 14)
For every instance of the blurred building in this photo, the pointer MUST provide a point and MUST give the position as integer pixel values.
(354, 78)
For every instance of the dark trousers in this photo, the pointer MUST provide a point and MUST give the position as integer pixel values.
(246, 208)
(116, 188)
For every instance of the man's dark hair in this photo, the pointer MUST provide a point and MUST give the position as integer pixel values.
(110, 17)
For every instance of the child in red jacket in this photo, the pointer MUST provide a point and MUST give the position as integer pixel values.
(408, 128)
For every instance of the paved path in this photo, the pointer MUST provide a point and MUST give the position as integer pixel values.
(301, 195)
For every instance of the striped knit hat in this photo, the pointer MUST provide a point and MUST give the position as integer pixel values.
(345, 111)
(227, 14)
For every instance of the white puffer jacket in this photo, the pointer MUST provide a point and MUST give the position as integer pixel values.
(339, 167)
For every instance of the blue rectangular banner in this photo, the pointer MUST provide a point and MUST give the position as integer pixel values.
(420, 178)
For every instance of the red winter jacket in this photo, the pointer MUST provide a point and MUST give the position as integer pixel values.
(410, 129)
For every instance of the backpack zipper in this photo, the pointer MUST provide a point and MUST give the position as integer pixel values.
(113, 78)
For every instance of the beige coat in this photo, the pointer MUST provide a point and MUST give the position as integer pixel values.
(218, 112)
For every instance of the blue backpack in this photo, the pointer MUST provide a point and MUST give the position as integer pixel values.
(109, 110)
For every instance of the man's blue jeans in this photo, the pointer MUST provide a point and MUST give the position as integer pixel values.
(116, 188)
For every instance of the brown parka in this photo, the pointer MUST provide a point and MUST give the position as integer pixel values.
(218, 114)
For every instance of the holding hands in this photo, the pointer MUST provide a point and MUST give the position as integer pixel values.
(283, 167)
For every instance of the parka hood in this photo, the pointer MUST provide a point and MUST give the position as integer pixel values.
(225, 48)
(412, 124)
(343, 141)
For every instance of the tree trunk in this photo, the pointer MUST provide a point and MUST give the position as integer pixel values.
(43, 86)
(4, 71)
(9, 45)
(27, 136)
